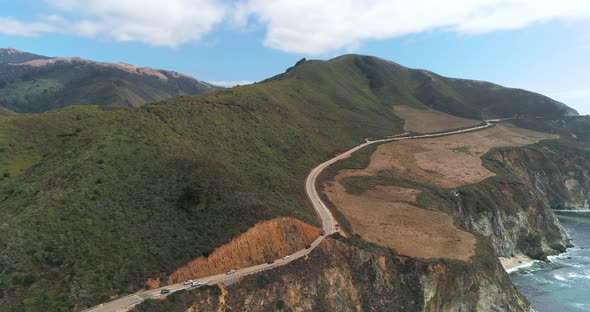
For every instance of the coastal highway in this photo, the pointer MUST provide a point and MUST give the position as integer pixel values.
(328, 222)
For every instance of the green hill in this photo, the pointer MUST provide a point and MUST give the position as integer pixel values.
(32, 83)
(95, 200)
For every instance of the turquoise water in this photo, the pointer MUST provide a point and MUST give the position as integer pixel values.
(563, 284)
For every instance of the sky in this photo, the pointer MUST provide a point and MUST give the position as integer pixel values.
(538, 45)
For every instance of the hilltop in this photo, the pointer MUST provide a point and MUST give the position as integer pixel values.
(96, 200)
(31, 83)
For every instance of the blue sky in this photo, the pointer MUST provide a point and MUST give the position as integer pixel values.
(538, 45)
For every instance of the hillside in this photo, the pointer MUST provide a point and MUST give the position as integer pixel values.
(96, 200)
(32, 83)
(10, 55)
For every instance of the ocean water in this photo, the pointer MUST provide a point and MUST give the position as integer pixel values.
(564, 283)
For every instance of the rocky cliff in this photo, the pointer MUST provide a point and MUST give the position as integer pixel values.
(348, 275)
(557, 171)
(512, 215)
(514, 209)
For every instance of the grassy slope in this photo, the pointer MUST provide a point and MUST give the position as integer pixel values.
(95, 200)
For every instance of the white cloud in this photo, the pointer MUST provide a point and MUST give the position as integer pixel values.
(229, 84)
(316, 27)
(160, 23)
(296, 26)
(13, 27)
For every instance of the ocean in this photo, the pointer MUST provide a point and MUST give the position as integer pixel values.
(564, 283)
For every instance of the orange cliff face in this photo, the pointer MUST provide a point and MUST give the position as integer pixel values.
(267, 240)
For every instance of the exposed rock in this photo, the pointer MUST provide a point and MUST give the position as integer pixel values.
(352, 276)
(562, 178)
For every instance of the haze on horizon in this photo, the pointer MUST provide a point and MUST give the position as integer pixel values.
(538, 45)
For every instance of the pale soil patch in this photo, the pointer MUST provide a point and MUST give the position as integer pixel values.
(430, 120)
(387, 215)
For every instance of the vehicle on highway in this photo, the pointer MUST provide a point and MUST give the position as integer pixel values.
(271, 261)
(323, 232)
(165, 291)
(196, 284)
(188, 282)
(232, 271)
(308, 246)
(286, 257)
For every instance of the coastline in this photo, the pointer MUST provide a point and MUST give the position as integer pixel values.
(513, 264)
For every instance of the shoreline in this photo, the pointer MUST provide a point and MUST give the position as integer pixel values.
(513, 264)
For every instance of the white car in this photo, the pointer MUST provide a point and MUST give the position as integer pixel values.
(188, 282)
(196, 284)
(286, 257)
(232, 271)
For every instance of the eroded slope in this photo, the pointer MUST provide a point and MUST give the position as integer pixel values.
(267, 240)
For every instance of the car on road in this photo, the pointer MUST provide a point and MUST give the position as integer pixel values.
(271, 261)
(165, 291)
(196, 284)
(232, 271)
(308, 246)
(286, 257)
(188, 282)
(323, 232)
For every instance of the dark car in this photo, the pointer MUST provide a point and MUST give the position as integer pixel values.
(164, 291)
(323, 232)
(270, 261)
(308, 246)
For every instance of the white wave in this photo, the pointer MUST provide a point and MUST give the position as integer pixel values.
(560, 278)
(578, 276)
(521, 266)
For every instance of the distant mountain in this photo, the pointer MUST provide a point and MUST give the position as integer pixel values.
(10, 55)
(31, 83)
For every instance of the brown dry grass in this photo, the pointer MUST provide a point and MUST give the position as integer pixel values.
(452, 160)
(429, 120)
(387, 215)
(266, 240)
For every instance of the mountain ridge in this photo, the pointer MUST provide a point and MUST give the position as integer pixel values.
(33, 83)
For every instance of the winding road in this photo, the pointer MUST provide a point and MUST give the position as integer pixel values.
(328, 222)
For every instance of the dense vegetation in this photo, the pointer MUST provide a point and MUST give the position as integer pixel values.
(95, 200)
(30, 89)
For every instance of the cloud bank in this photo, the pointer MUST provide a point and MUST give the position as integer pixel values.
(295, 26)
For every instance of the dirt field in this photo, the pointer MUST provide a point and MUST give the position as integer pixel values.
(452, 160)
(388, 216)
(429, 120)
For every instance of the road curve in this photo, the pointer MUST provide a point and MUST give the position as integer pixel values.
(328, 223)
